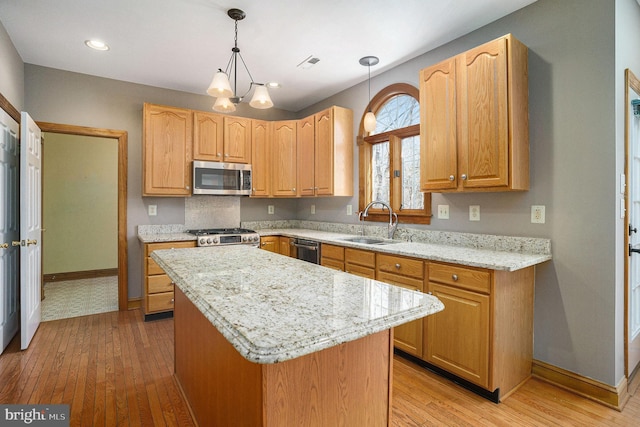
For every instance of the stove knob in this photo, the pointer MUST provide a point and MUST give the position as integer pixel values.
(209, 240)
(202, 240)
(244, 238)
(256, 238)
(215, 240)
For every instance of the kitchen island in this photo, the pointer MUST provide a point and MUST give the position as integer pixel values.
(262, 339)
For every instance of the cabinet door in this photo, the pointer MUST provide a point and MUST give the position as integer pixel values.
(208, 135)
(283, 166)
(167, 145)
(306, 156)
(483, 112)
(458, 336)
(286, 248)
(237, 140)
(438, 133)
(260, 165)
(324, 161)
(407, 337)
(270, 243)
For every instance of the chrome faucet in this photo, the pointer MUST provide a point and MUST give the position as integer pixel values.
(391, 228)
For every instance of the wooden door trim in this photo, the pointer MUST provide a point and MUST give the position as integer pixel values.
(121, 137)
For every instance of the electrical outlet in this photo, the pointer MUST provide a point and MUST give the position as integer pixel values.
(271, 209)
(443, 211)
(153, 210)
(349, 209)
(313, 209)
(474, 213)
(537, 214)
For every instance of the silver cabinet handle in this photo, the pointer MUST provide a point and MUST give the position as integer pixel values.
(454, 277)
(464, 176)
(219, 154)
(452, 178)
(398, 266)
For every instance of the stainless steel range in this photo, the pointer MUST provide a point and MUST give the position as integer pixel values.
(226, 236)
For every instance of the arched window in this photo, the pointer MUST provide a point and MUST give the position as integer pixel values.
(389, 165)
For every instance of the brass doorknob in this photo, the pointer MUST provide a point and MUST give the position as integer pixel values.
(16, 243)
(4, 246)
(32, 242)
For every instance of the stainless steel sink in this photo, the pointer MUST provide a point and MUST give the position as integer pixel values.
(368, 240)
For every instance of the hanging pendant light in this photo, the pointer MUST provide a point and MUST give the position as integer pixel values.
(227, 96)
(369, 118)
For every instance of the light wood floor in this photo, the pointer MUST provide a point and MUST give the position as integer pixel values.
(115, 369)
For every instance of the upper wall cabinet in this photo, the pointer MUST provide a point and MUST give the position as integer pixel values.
(325, 153)
(166, 151)
(283, 156)
(260, 154)
(237, 140)
(221, 138)
(474, 120)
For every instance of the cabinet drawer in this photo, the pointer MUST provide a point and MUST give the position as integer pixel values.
(153, 268)
(400, 265)
(478, 280)
(168, 245)
(334, 252)
(332, 263)
(160, 302)
(360, 257)
(158, 284)
(359, 270)
(396, 279)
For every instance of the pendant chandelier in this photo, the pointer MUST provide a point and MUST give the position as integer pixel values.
(220, 87)
(369, 118)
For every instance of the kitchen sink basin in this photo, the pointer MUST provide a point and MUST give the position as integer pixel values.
(368, 240)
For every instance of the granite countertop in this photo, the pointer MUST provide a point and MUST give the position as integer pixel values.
(273, 308)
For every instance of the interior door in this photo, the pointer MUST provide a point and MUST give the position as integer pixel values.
(30, 228)
(9, 229)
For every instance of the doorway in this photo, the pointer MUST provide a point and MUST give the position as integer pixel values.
(632, 223)
(121, 138)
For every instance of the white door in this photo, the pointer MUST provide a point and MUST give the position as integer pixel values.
(30, 228)
(634, 236)
(9, 229)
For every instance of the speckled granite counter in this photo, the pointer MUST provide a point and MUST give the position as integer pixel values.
(273, 308)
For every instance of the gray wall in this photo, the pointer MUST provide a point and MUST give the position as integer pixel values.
(11, 71)
(572, 80)
(574, 85)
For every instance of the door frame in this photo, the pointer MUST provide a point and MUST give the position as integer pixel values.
(121, 136)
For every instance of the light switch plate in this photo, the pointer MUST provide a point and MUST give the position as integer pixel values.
(153, 210)
(349, 209)
(443, 211)
(271, 209)
(313, 209)
(474, 213)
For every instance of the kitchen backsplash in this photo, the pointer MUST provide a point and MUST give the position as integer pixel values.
(211, 212)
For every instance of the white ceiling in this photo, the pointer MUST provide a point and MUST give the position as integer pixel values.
(179, 44)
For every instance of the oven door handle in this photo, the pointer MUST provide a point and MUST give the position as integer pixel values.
(313, 248)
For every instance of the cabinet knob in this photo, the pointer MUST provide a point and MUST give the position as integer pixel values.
(452, 178)
(398, 266)
(464, 176)
(293, 189)
(454, 277)
(219, 154)
(187, 187)
(172, 300)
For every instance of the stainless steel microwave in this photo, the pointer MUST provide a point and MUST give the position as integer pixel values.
(221, 178)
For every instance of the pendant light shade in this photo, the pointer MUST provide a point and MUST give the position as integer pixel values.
(261, 98)
(224, 105)
(220, 86)
(369, 122)
(369, 118)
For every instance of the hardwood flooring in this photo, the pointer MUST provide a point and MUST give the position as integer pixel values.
(114, 369)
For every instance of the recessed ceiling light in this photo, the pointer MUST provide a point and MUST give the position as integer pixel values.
(96, 44)
(273, 85)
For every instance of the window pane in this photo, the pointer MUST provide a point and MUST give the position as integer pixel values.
(398, 112)
(380, 172)
(412, 198)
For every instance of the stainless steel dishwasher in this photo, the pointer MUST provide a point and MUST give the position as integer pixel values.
(308, 250)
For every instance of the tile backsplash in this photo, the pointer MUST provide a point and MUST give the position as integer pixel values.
(211, 212)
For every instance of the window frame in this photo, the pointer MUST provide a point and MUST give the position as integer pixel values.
(365, 143)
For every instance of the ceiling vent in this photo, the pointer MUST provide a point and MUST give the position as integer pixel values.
(309, 62)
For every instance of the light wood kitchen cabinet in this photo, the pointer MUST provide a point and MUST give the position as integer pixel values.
(325, 153)
(270, 243)
(360, 262)
(407, 273)
(284, 160)
(237, 140)
(158, 297)
(260, 158)
(208, 136)
(286, 246)
(485, 333)
(332, 256)
(166, 151)
(474, 120)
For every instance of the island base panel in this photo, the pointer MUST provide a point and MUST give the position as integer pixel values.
(348, 384)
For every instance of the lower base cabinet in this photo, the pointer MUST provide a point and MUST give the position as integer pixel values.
(158, 296)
